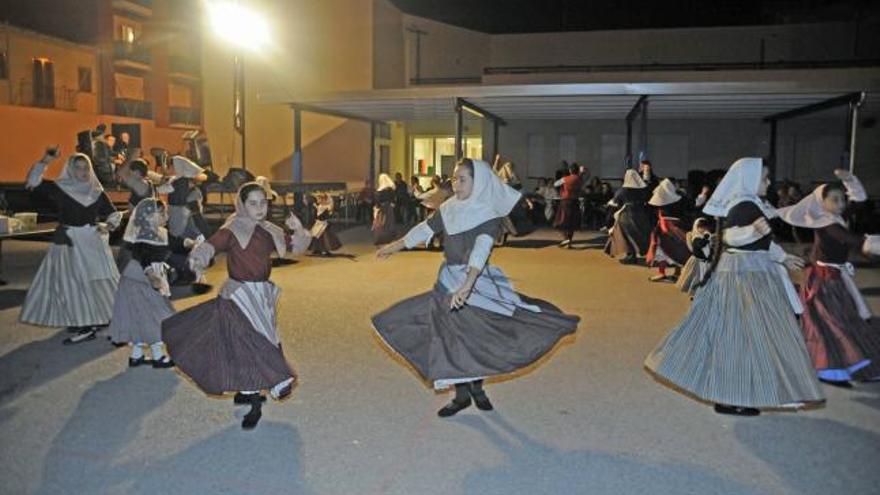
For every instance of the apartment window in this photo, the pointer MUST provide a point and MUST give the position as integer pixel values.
(127, 33)
(44, 83)
(4, 71)
(435, 155)
(85, 79)
(567, 147)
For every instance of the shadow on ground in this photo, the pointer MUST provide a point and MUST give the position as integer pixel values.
(532, 467)
(11, 298)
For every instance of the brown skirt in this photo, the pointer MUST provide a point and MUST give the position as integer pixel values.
(631, 233)
(841, 344)
(568, 216)
(668, 236)
(471, 342)
(384, 225)
(215, 344)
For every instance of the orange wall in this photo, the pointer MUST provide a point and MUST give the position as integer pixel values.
(24, 144)
(342, 155)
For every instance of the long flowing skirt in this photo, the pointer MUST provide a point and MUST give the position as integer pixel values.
(568, 216)
(842, 344)
(740, 343)
(139, 309)
(384, 224)
(448, 346)
(62, 294)
(630, 235)
(216, 345)
(670, 245)
(691, 274)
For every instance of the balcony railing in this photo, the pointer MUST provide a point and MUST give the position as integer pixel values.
(57, 97)
(185, 116)
(183, 65)
(133, 52)
(133, 108)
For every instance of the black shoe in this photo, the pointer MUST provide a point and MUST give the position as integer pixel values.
(83, 336)
(242, 399)
(482, 401)
(453, 407)
(200, 288)
(736, 410)
(75, 329)
(164, 363)
(116, 344)
(133, 363)
(838, 384)
(253, 416)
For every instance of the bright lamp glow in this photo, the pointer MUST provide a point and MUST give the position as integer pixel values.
(239, 25)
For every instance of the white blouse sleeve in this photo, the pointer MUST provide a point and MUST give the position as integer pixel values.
(481, 251)
(855, 191)
(741, 236)
(871, 245)
(420, 234)
(35, 174)
(559, 182)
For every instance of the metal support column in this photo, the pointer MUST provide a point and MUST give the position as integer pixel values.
(373, 152)
(495, 146)
(459, 130)
(297, 171)
(771, 155)
(643, 145)
(853, 131)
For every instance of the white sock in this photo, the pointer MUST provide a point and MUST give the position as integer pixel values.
(158, 351)
(137, 351)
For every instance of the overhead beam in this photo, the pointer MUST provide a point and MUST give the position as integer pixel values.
(816, 107)
(305, 107)
(480, 111)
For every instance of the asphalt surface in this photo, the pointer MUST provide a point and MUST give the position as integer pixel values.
(586, 420)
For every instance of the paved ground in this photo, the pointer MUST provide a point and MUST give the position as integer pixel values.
(588, 420)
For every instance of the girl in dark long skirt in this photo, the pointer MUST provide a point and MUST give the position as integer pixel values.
(473, 324)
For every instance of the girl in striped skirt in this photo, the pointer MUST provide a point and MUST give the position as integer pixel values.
(230, 344)
(841, 335)
(76, 282)
(142, 298)
(739, 346)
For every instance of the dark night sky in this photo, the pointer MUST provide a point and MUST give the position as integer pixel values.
(523, 16)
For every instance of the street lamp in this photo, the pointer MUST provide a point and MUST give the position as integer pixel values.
(247, 30)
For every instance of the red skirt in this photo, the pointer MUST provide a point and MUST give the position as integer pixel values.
(842, 344)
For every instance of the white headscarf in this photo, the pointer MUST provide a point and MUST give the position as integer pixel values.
(184, 167)
(490, 198)
(242, 226)
(139, 228)
(385, 182)
(267, 186)
(84, 192)
(664, 194)
(741, 183)
(810, 213)
(632, 180)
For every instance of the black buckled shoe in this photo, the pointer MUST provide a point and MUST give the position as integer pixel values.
(164, 363)
(84, 334)
(133, 363)
(453, 408)
(242, 399)
(482, 401)
(253, 416)
(736, 410)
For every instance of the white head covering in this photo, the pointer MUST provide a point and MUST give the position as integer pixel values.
(385, 182)
(632, 180)
(810, 213)
(664, 194)
(490, 198)
(184, 167)
(84, 192)
(243, 226)
(140, 229)
(741, 183)
(263, 181)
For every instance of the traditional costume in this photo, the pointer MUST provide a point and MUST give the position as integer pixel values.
(568, 216)
(668, 240)
(630, 235)
(230, 344)
(185, 201)
(324, 240)
(498, 331)
(76, 282)
(142, 299)
(699, 243)
(842, 337)
(384, 223)
(739, 345)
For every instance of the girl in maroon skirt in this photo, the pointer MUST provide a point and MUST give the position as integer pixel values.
(230, 344)
(842, 337)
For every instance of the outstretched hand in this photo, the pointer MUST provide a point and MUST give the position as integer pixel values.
(762, 226)
(794, 263)
(385, 252)
(843, 174)
(460, 297)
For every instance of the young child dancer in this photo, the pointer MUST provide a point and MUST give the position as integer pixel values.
(324, 240)
(142, 298)
(473, 324)
(699, 243)
(668, 241)
(230, 344)
(630, 235)
(76, 282)
(384, 222)
(739, 346)
(842, 337)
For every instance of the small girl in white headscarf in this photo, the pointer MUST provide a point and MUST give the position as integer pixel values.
(76, 282)
(324, 240)
(142, 300)
(472, 324)
(842, 336)
(739, 346)
(230, 344)
(384, 224)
